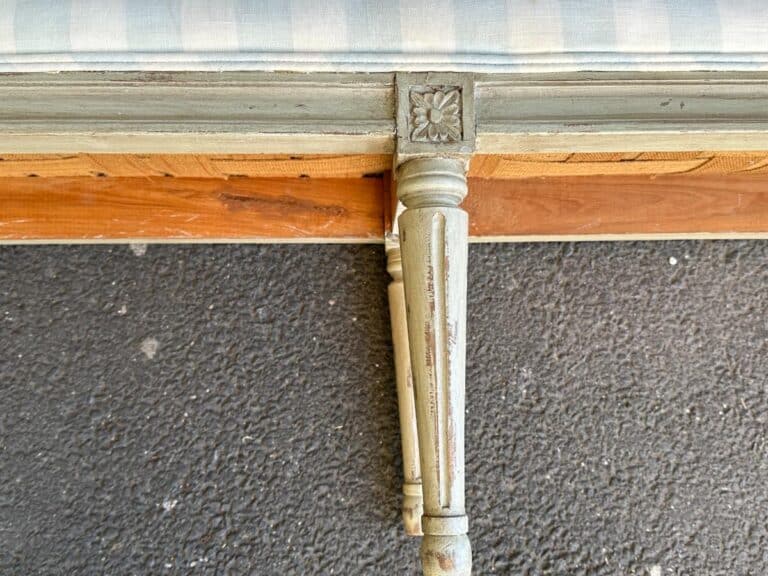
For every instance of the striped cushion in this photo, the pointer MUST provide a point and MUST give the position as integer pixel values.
(376, 35)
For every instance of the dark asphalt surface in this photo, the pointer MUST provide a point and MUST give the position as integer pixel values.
(231, 410)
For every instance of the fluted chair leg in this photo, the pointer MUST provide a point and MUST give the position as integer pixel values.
(433, 239)
(412, 496)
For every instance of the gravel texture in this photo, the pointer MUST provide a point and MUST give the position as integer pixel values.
(230, 410)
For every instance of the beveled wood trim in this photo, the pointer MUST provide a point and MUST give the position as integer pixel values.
(287, 113)
(593, 112)
(191, 112)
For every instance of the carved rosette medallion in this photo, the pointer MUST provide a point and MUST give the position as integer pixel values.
(435, 114)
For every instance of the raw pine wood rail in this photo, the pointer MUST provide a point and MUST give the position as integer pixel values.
(191, 209)
(496, 166)
(194, 165)
(342, 198)
(618, 208)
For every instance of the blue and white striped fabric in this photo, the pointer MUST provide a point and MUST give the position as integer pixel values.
(380, 35)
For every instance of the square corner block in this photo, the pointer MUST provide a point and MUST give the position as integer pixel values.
(435, 114)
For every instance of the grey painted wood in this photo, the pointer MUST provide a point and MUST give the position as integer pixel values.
(614, 112)
(435, 114)
(352, 113)
(196, 112)
(433, 240)
(413, 506)
(435, 138)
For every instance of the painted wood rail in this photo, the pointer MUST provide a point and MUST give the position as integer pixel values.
(251, 112)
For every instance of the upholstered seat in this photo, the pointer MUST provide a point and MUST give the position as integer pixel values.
(373, 35)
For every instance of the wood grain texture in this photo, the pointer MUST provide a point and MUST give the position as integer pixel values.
(630, 206)
(498, 166)
(510, 166)
(336, 210)
(191, 209)
(194, 165)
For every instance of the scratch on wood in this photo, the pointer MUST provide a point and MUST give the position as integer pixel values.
(440, 358)
(239, 202)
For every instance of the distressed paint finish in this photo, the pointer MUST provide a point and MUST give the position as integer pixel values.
(412, 495)
(643, 112)
(433, 238)
(191, 113)
(439, 125)
(325, 113)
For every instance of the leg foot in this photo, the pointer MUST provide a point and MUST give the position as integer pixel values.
(446, 555)
(413, 508)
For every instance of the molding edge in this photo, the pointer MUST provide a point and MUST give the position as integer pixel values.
(210, 112)
(197, 112)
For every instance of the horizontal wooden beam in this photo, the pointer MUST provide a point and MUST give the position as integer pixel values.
(626, 207)
(194, 165)
(514, 166)
(594, 112)
(618, 208)
(191, 112)
(191, 210)
(501, 166)
(283, 113)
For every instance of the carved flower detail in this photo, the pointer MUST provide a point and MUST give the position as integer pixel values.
(435, 115)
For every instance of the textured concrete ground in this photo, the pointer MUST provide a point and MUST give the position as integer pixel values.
(230, 410)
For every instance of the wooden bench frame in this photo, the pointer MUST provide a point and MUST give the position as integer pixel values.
(107, 143)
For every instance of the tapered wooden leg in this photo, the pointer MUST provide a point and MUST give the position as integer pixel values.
(412, 498)
(433, 240)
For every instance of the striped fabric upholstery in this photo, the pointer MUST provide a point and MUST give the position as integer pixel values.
(381, 35)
